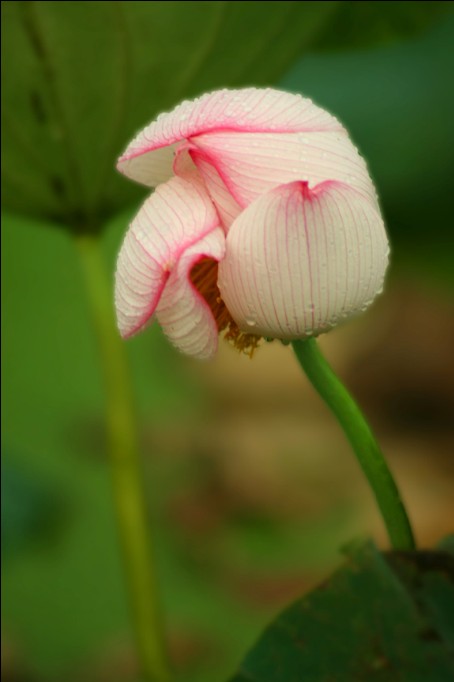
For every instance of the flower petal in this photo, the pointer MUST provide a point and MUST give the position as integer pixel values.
(298, 260)
(183, 313)
(177, 215)
(249, 110)
(250, 164)
(228, 208)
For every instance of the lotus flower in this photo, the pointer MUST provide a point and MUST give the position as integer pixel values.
(264, 223)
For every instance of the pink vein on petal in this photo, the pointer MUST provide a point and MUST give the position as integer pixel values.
(288, 280)
(248, 110)
(176, 216)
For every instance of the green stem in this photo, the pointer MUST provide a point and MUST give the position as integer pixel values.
(125, 464)
(361, 439)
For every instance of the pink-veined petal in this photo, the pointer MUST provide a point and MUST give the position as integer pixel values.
(190, 164)
(248, 110)
(177, 215)
(228, 208)
(183, 313)
(299, 260)
(250, 164)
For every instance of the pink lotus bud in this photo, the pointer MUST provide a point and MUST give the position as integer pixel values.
(270, 187)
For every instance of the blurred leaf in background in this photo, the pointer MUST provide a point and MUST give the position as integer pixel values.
(78, 80)
(30, 509)
(81, 78)
(367, 24)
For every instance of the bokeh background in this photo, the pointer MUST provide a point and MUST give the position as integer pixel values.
(252, 489)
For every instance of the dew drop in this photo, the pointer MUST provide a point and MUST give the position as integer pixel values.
(250, 322)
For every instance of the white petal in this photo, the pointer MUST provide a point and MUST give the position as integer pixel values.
(249, 110)
(300, 260)
(150, 169)
(171, 220)
(250, 164)
(183, 314)
(228, 208)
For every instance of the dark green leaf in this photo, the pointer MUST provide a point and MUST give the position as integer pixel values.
(380, 617)
(81, 77)
(362, 24)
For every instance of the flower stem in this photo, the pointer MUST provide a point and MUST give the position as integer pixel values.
(125, 464)
(361, 439)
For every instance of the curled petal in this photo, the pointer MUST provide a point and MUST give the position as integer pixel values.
(228, 209)
(247, 110)
(176, 216)
(183, 313)
(250, 164)
(299, 260)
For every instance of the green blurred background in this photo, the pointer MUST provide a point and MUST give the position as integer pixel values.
(251, 487)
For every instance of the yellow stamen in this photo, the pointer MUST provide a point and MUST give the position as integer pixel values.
(204, 276)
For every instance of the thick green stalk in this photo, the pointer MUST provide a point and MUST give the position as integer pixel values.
(125, 464)
(361, 439)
